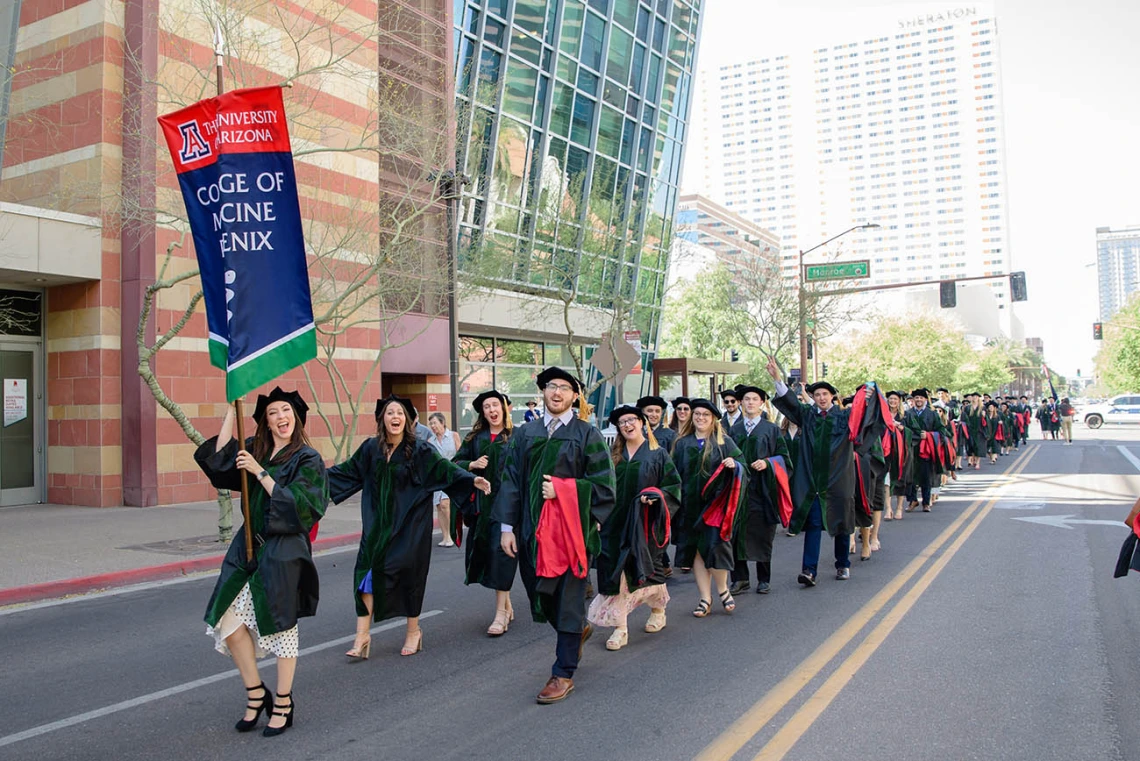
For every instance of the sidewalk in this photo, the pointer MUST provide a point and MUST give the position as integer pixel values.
(57, 550)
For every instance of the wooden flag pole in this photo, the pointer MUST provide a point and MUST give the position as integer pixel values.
(240, 414)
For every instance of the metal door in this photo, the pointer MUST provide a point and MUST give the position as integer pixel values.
(21, 435)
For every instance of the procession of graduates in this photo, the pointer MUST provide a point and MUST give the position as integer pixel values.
(702, 491)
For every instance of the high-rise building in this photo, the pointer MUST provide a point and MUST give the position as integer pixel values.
(572, 126)
(708, 233)
(1117, 267)
(888, 120)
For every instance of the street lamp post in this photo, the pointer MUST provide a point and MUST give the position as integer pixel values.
(450, 189)
(804, 296)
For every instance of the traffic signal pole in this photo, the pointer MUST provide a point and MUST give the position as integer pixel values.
(865, 289)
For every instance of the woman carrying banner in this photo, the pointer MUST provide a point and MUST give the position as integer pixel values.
(630, 570)
(397, 474)
(712, 508)
(482, 452)
(255, 605)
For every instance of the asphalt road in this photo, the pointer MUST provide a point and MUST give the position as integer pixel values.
(971, 635)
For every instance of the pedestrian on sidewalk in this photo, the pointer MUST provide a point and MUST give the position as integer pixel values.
(712, 504)
(397, 474)
(824, 474)
(630, 571)
(1066, 413)
(446, 442)
(765, 452)
(483, 452)
(558, 487)
(255, 605)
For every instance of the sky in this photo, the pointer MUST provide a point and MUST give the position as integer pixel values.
(1070, 73)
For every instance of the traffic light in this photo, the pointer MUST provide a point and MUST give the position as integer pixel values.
(1017, 287)
(734, 355)
(824, 369)
(948, 295)
(811, 348)
(1098, 331)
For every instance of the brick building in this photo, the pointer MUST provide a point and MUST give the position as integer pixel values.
(89, 207)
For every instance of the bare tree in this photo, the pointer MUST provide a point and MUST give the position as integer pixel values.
(376, 258)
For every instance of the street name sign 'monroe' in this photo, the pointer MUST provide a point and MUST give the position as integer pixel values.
(838, 271)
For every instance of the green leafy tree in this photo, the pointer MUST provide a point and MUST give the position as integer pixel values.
(903, 352)
(985, 371)
(1118, 361)
(698, 318)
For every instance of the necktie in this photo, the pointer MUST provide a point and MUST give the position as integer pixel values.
(823, 413)
(553, 426)
(749, 425)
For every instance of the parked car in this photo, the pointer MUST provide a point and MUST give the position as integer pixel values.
(1119, 409)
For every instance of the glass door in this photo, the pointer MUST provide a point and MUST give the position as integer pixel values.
(21, 440)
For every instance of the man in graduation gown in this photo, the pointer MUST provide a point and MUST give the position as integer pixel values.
(765, 452)
(732, 412)
(823, 483)
(557, 488)
(654, 409)
(923, 423)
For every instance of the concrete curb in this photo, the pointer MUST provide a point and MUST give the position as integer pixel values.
(83, 584)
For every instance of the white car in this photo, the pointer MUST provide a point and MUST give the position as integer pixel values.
(1119, 409)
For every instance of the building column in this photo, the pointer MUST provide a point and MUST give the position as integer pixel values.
(140, 66)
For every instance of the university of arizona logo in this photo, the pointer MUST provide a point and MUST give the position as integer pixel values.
(194, 147)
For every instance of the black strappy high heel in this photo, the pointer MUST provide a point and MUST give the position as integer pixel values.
(727, 601)
(246, 725)
(274, 731)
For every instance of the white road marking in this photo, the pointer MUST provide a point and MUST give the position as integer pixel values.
(1128, 456)
(71, 721)
(1068, 521)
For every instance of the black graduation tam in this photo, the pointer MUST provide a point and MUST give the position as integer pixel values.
(557, 373)
(992, 403)
(409, 408)
(300, 409)
(730, 392)
(742, 390)
(622, 411)
(921, 392)
(651, 401)
(940, 390)
(682, 400)
(477, 404)
(899, 394)
(847, 400)
(704, 404)
(507, 399)
(822, 384)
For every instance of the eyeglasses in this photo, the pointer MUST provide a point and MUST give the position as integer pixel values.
(629, 422)
(558, 387)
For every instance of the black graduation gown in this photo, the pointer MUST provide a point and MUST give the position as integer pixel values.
(926, 420)
(486, 562)
(825, 467)
(900, 461)
(976, 445)
(284, 585)
(576, 451)
(871, 461)
(695, 470)
(632, 535)
(396, 512)
(762, 495)
(665, 437)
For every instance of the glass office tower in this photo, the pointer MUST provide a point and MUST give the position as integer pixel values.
(572, 121)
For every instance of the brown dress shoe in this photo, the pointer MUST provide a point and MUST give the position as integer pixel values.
(586, 634)
(556, 689)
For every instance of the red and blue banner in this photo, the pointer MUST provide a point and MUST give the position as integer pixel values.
(235, 168)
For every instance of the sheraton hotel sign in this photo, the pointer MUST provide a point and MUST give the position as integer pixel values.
(939, 17)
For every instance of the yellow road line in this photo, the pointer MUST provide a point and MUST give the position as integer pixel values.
(741, 731)
(813, 707)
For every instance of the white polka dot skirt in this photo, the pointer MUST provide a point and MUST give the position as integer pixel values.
(241, 613)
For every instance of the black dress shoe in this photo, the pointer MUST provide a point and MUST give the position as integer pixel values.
(807, 579)
(763, 588)
(740, 586)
